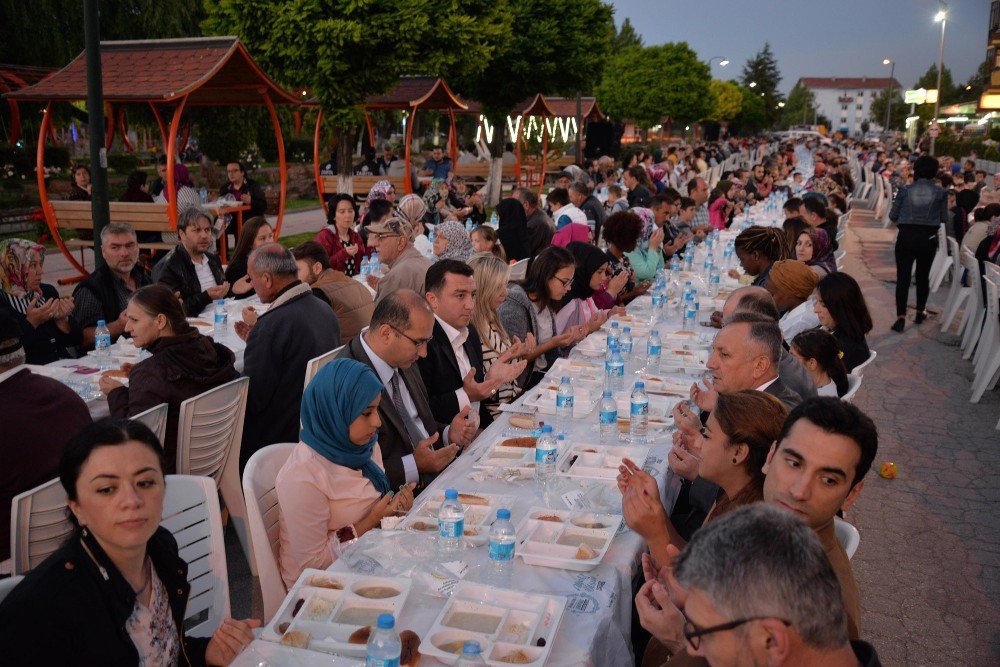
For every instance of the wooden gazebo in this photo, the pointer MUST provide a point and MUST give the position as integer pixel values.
(13, 78)
(168, 75)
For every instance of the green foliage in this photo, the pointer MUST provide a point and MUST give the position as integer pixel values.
(948, 144)
(727, 100)
(762, 69)
(123, 163)
(948, 92)
(976, 83)
(897, 114)
(752, 117)
(225, 132)
(799, 109)
(626, 37)
(299, 150)
(644, 84)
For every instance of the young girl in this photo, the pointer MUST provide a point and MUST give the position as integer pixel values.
(817, 350)
(485, 239)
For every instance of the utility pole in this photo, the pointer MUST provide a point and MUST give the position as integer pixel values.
(579, 129)
(888, 99)
(941, 16)
(95, 125)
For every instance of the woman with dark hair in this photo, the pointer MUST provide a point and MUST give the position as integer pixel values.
(818, 352)
(622, 232)
(256, 232)
(338, 238)
(80, 188)
(578, 307)
(137, 188)
(793, 227)
(115, 593)
(513, 228)
(530, 309)
(184, 363)
(918, 210)
(841, 309)
(758, 248)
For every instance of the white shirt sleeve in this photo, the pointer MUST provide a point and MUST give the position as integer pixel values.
(410, 469)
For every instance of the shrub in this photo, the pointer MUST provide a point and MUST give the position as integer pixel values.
(123, 163)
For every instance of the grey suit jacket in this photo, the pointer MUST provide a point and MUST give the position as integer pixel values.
(780, 390)
(795, 376)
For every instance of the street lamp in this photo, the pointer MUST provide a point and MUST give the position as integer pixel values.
(781, 105)
(752, 84)
(942, 18)
(888, 99)
(722, 61)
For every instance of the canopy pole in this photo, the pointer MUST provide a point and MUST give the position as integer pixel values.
(282, 165)
(407, 180)
(171, 195)
(159, 123)
(43, 196)
(110, 114)
(371, 131)
(517, 151)
(545, 155)
(123, 130)
(15, 121)
(453, 147)
(316, 170)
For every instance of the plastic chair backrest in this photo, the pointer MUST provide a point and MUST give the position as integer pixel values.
(992, 271)
(853, 384)
(210, 429)
(956, 256)
(971, 265)
(39, 524)
(848, 536)
(316, 364)
(859, 369)
(7, 585)
(263, 519)
(519, 270)
(156, 419)
(992, 296)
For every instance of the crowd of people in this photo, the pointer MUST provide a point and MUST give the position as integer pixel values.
(435, 340)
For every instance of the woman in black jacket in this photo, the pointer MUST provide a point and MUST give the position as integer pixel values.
(116, 591)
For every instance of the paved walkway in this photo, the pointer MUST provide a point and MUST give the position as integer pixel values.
(929, 562)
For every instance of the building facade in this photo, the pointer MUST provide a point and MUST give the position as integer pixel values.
(847, 101)
(990, 100)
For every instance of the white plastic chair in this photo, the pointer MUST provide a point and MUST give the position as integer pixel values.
(988, 337)
(156, 419)
(975, 311)
(848, 536)
(519, 270)
(853, 384)
(39, 524)
(988, 372)
(7, 585)
(859, 370)
(191, 513)
(957, 294)
(316, 364)
(941, 263)
(209, 433)
(263, 519)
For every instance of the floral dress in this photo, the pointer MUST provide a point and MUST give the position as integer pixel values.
(152, 629)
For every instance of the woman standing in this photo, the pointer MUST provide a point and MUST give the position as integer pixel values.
(184, 363)
(841, 309)
(918, 210)
(338, 238)
(256, 232)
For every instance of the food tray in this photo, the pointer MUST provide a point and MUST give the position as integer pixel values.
(671, 387)
(543, 400)
(660, 411)
(640, 326)
(556, 539)
(480, 512)
(598, 462)
(330, 615)
(504, 622)
(673, 359)
(588, 375)
(594, 345)
(509, 456)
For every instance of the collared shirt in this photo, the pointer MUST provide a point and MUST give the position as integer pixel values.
(767, 384)
(204, 273)
(798, 319)
(457, 339)
(701, 216)
(87, 308)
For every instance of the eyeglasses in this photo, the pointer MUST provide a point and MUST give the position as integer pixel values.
(417, 342)
(694, 634)
(565, 283)
(380, 235)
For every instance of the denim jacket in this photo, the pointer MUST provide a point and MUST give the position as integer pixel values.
(922, 203)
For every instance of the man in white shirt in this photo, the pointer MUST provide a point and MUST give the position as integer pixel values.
(190, 269)
(453, 369)
(401, 327)
(791, 282)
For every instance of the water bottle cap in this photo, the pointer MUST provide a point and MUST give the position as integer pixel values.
(386, 621)
(546, 428)
(101, 323)
(565, 379)
(472, 647)
(628, 329)
(655, 332)
(503, 514)
(451, 494)
(607, 393)
(220, 302)
(561, 436)
(640, 385)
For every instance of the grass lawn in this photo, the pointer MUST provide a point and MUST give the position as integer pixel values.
(295, 239)
(301, 204)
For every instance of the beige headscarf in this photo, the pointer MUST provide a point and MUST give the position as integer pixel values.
(794, 278)
(412, 209)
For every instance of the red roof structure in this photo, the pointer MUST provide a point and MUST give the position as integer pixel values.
(858, 83)
(410, 92)
(16, 77)
(565, 107)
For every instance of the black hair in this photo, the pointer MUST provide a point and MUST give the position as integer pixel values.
(158, 299)
(558, 196)
(814, 206)
(792, 204)
(542, 269)
(622, 230)
(312, 252)
(925, 166)
(331, 210)
(377, 210)
(822, 346)
(438, 272)
(838, 417)
(842, 296)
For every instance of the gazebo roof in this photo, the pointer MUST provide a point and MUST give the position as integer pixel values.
(16, 77)
(426, 92)
(566, 107)
(208, 70)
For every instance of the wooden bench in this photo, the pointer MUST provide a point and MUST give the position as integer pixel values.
(362, 185)
(142, 217)
(480, 171)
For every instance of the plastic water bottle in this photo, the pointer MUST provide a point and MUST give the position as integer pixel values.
(221, 325)
(675, 263)
(102, 341)
(626, 342)
(502, 539)
(203, 195)
(430, 235)
(365, 267)
(564, 404)
(451, 523)
(690, 312)
(468, 225)
(494, 220)
(471, 654)
(546, 452)
(609, 418)
(613, 334)
(639, 414)
(653, 349)
(374, 265)
(384, 646)
(614, 369)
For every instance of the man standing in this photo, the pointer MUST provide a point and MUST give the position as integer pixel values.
(280, 342)
(540, 226)
(698, 191)
(189, 269)
(581, 197)
(791, 283)
(351, 301)
(402, 326)
(104, 294)
(453, 369)
(438, 165)
(393, 239)
(245, 190)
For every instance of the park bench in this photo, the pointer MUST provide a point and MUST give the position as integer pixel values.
(142, 217)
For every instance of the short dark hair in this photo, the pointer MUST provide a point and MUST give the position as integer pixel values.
(926, 166)
(331, 207)
(580, 188)
(759, 304)
(527, 196)
(558, 196)
(238, 164)
(311, 252)
(438, 272)
(693, 184)
(687, 202)
(842, 296)
(377, 210)
(792, 204)
(394, 309)
(815, 206)
(622, 230)
(838, 417)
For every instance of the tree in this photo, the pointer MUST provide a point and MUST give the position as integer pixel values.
(327, 46)
(898, 113)
(948, 92)
(646, 83)
(800, 107)
(727, 101)
(752, 116)
(973, 88)
(762, 70)
(550, 46)
(626, 37)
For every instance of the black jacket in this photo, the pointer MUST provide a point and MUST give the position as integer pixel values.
(439, 371)
(594, 210)
(101, 284)
(176, 271)
(47, 343)
(258, 201)
(72, 609)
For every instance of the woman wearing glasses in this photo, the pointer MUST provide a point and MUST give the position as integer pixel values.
(530, 309)
(592, 275)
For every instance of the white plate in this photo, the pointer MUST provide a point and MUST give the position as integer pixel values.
(596, 462)
(544, 401)
(551, 543)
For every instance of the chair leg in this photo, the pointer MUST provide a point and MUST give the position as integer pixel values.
(973, 334)
(954, 303)
(236, 505)
(987, 379)
(983, 349)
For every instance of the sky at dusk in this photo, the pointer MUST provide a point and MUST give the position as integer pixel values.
(836, 38)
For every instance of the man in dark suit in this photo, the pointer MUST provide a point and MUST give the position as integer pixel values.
(415, 446)
(453, 369)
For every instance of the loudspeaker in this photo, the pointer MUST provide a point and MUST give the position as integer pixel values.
(600, 139)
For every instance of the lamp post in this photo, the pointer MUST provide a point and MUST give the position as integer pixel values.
(722, 61)
(95, 125)
(888, 99)
(942, 18)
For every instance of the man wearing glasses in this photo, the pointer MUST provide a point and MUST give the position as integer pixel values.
(415, 447)
(244, 190)
(393, 239)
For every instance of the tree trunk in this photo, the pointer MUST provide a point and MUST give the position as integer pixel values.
(345, 169)
(494, 181)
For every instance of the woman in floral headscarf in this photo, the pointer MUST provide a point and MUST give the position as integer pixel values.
(436, 197)
(381, 190)
(46, 332)
(452, 242)
(647, 258)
